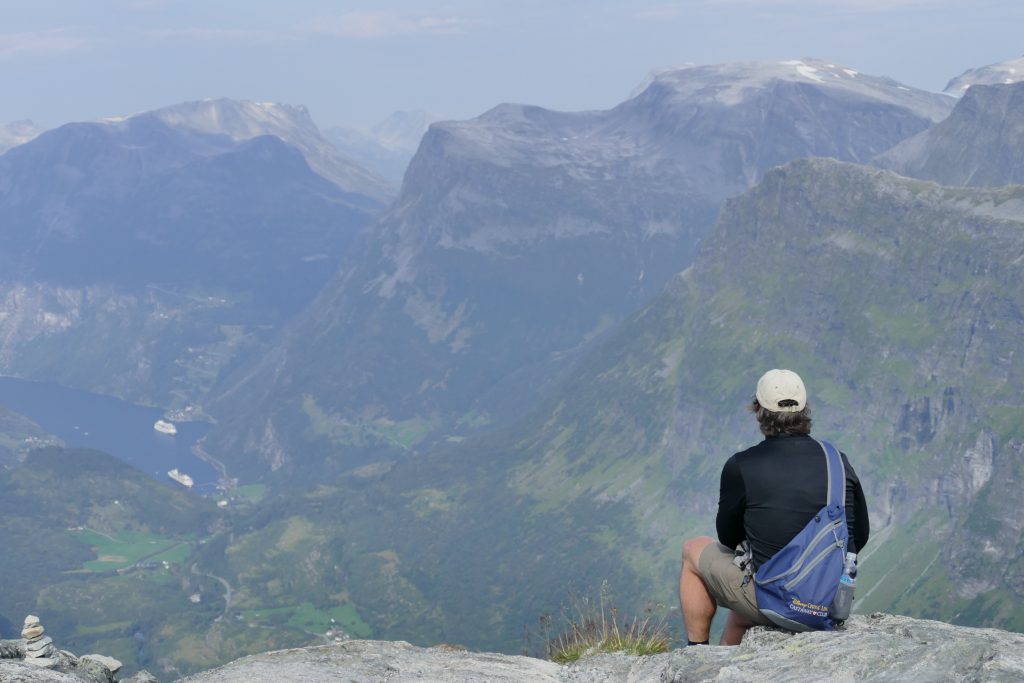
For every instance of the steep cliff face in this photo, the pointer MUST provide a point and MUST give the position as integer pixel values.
(980, 144)
(522, 235)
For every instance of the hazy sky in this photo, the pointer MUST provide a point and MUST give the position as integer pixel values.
(353, 63)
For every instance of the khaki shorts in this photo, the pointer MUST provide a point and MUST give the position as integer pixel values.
(725, 582)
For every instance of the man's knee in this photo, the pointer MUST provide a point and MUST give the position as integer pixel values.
(693, 548)
(737, 620)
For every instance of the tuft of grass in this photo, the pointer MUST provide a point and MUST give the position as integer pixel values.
(599, 628)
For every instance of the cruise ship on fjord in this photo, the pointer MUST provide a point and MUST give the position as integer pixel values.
(165, 427)
(182, 478)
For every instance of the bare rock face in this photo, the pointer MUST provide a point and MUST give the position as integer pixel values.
(82, 671)
(881, 647)
(978, 145)
(366, 661)
(35, 659)
(1005, 73)
(16, 671)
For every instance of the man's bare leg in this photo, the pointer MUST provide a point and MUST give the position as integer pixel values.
(735, 628)
(694, 599)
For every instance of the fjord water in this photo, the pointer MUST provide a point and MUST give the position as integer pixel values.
(123, 429)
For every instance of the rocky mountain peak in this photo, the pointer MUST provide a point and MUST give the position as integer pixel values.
(717, 126)
(240, 119)
(733, 83)
(243, 120)
(1004, 73)
(980, 144)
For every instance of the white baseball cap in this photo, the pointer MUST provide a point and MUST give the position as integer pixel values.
(780, 385)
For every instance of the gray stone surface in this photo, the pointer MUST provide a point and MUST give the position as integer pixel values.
(110, 663)
(876, 648)
(366, 661)
(16, 671)
(12, 649)
(38, 644)
(141, 677)
(92, 672)
(879, 647)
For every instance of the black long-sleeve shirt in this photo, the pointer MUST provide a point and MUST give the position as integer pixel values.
(770, 491)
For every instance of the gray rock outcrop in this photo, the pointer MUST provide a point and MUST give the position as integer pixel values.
(35, 659)
(879, 647)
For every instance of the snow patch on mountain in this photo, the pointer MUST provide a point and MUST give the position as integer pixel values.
(731, 83)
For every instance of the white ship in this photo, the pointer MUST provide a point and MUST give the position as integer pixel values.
(180, 477)
(165, 427)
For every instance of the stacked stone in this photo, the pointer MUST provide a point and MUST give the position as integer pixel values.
(38, 647)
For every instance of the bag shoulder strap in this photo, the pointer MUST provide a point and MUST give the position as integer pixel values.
(836, 476)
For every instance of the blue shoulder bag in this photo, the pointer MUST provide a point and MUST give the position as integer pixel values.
(795, 588)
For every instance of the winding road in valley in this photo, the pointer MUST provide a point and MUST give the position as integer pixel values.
(223, 582)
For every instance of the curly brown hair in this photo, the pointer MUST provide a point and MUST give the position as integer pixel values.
(773, 423)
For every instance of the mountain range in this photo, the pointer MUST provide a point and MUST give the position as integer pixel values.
(155, 245)
(895, 297)
(521, 236)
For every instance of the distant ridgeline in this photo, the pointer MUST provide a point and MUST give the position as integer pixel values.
(144, 254)
(529, 376)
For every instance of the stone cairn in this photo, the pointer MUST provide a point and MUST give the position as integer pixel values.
(38, 647)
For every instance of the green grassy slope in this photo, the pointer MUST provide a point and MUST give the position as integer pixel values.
(85, 541)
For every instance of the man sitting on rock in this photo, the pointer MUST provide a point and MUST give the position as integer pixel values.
(768, 493)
